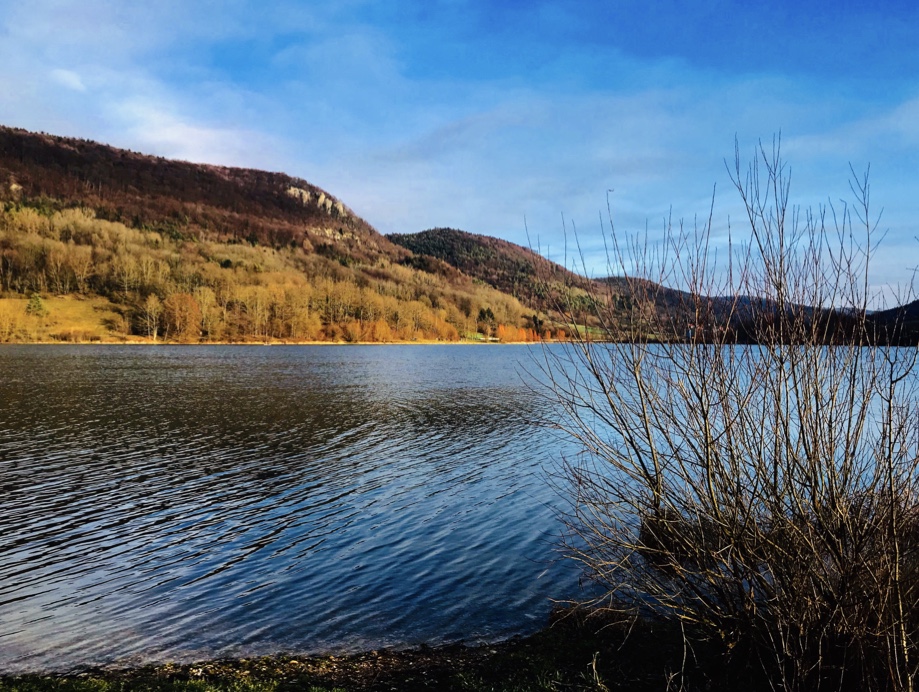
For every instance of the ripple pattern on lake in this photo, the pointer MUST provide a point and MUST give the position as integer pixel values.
(182, 502)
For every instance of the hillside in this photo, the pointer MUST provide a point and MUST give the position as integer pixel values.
(898, 325)
(547, 287)
(192, 252)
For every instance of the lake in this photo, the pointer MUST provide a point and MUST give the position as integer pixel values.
(178, 503)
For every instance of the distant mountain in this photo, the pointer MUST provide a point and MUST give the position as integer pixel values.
(899, 324)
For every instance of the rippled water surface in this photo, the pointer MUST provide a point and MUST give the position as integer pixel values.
(182, 502)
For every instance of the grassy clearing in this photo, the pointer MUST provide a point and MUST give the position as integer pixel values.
(68, 319)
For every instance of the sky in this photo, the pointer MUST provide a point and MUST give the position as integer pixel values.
(530, 121)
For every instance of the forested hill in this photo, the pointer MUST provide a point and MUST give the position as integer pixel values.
(177, 197)
(626, 304)
(510, 268)
(102, 243)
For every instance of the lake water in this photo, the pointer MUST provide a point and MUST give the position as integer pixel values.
(176, 503)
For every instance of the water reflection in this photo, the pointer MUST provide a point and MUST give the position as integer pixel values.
(182, 502)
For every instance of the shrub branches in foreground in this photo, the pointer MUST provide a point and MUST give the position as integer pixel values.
(753, 474)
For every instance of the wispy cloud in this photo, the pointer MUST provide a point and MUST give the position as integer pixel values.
(154, 128)
(68, 79)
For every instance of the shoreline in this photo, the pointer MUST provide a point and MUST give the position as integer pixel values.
(574, 651)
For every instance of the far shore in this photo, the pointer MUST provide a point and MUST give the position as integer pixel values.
(135, 340)
(160, 342)
(94, 320)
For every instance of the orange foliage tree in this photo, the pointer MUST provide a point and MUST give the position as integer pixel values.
(182, 317)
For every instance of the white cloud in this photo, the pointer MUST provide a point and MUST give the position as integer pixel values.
(68, 79)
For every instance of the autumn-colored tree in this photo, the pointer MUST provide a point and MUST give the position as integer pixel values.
(210, 315)
(353, 331)
(448, 332)
(305, 326)
(81, 263)
(182, 317)
(380, 331)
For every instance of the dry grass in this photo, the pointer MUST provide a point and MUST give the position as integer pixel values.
(66, 319)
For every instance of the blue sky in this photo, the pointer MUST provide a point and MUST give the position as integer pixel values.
(493, 117)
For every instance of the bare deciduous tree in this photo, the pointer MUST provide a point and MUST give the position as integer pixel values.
(151, 314)
(750, 464)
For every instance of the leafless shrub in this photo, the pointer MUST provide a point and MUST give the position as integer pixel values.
(750, 464)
